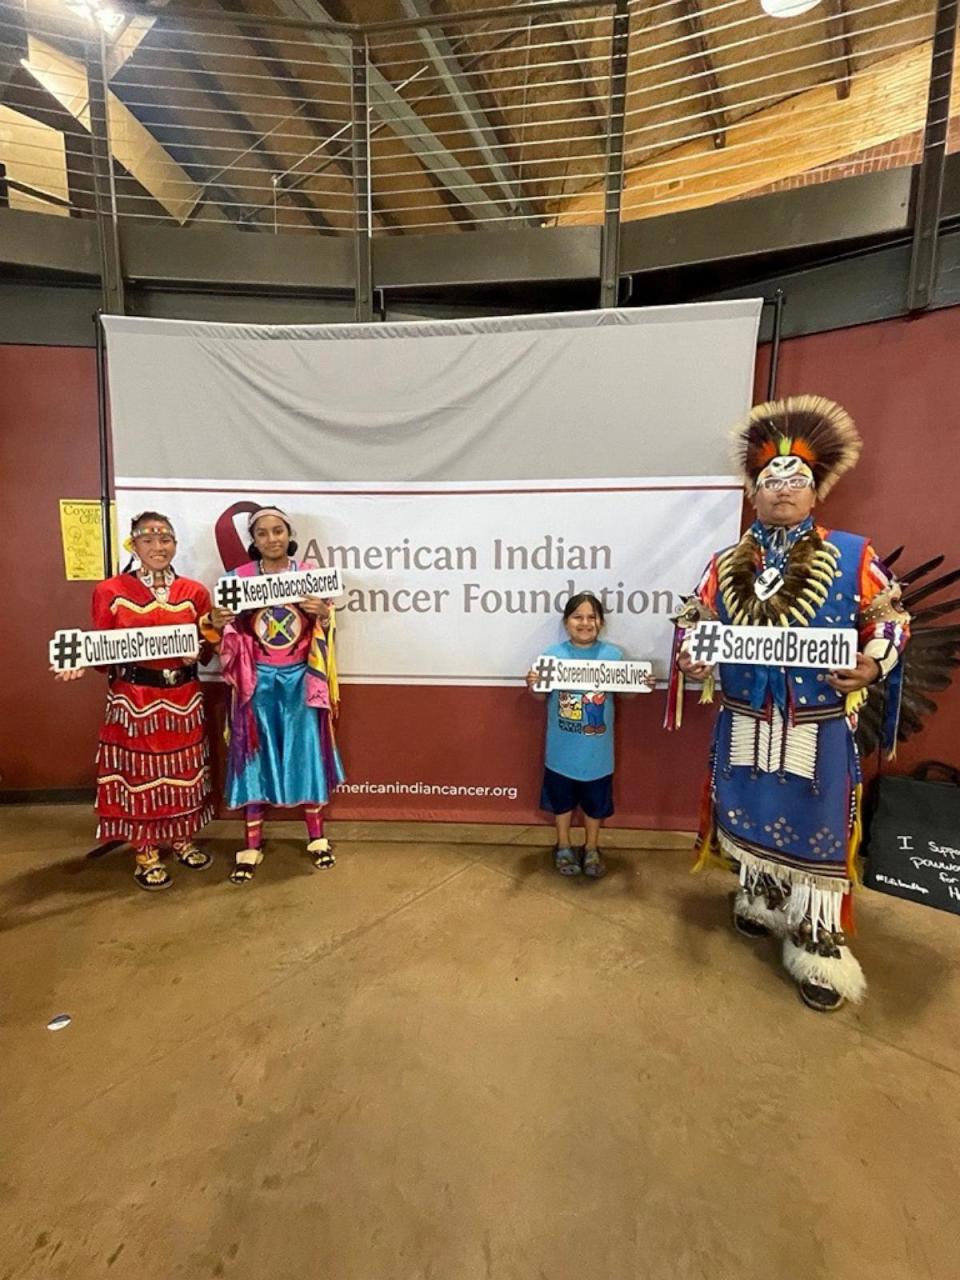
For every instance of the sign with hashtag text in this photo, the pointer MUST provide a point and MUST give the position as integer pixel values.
(72, 649)
(265, 589)
(591, 675)
(818, 648)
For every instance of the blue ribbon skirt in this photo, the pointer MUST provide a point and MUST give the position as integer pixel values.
(295, 762)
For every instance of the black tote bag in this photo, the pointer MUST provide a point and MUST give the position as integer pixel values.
(913, 837)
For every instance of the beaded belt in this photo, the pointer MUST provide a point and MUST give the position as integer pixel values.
(156, 677)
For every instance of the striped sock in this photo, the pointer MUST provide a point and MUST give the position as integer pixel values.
(253, 820)
(314, 817)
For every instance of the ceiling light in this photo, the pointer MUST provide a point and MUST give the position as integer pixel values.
(787, 8)
(105, 15)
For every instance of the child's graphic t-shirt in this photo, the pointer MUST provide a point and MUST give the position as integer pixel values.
(580, 725)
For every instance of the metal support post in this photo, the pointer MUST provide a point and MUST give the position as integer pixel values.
(613, 185)
(108, 230)
(929, 189)
(776, 333)
(362, 199)
(105, 523)
(103, 436)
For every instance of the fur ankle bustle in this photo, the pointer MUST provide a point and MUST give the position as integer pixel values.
(842, 973)
(755, 908)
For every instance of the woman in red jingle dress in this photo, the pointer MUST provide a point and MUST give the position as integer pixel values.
(153, 784)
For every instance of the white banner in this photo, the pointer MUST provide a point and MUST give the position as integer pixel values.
(465, 584)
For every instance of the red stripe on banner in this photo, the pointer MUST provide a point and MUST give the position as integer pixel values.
(493, 738)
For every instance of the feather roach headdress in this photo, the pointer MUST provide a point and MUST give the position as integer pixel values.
(811, 428)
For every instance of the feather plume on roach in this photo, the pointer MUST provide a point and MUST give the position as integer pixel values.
(811, 428)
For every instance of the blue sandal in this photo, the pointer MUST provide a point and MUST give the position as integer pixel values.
(593, 865)
(566, 862)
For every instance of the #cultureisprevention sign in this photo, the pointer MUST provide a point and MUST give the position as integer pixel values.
(70, 649)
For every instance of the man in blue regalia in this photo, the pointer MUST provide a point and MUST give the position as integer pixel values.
(784, 794)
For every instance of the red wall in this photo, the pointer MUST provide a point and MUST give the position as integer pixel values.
(48, 451)
(898, 380)
(894, 377)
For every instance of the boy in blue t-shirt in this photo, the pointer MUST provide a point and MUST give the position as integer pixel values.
(578, 772)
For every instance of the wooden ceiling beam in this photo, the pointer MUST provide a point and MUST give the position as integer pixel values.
(323, 129)
(840, 45)
(397, 114)
(776, 143)
(465, 98)
(209, 83)
(64, 79)
(707, 71)
(188, 145)
(593, 99)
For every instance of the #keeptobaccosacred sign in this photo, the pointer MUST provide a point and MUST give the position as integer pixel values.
(263, 589)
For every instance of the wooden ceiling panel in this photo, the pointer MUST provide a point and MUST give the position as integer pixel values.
(509, 115)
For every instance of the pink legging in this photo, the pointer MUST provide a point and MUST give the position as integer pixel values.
(253, 818)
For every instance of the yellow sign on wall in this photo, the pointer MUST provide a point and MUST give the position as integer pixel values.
(81, 529)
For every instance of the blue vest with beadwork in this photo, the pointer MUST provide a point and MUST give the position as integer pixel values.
(830, 599)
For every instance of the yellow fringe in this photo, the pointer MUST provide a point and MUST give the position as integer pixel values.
(710, 855)
(855, 701)
(709, 688)
(856, 836)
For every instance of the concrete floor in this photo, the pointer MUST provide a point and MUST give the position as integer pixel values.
(440, 1061)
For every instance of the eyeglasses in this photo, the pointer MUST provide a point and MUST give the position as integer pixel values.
(773, 485)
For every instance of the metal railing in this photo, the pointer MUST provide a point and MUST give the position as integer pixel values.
(518, 116)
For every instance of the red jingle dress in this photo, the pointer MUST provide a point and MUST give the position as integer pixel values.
(153, 778)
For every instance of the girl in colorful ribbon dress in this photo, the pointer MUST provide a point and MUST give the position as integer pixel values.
(280, 665)
(153, 784)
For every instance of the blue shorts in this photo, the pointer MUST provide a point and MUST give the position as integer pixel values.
(560, 794)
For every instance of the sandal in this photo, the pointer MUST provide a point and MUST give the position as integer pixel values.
(323, 859)
(593, 865)
(820, 998)
(246, 864)
(566, 862)
(153, 877)
(190, 856)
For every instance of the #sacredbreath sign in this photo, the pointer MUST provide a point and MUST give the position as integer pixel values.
(259, 592)
(819, 648)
